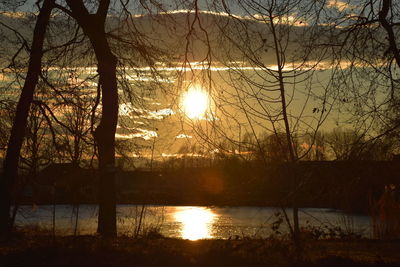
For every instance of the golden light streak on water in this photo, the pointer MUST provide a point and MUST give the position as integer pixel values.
(196, 222)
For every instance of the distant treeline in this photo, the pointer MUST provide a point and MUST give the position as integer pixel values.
(347, 185)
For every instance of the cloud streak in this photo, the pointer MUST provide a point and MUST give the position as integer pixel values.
(141, 133)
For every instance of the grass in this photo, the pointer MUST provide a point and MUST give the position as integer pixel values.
(28, 249)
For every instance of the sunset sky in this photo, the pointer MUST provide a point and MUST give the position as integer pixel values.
(208, 90)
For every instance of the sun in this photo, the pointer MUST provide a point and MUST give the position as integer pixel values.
(195, 102)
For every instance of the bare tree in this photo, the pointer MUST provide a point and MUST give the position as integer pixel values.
(10, 165)
(366, 53)
(91, 18)
(272, 61)
(93, 25)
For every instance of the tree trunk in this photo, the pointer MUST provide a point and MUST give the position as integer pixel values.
(93, 26)
(105, 140)
(391, 36)
(292, 155)
(10, 165)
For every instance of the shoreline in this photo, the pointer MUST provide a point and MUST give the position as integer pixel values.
(203, 204)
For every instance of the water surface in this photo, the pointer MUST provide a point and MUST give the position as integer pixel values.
(191, 222)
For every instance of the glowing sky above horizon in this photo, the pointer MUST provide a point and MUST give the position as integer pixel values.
(195, 102)
(196, 108)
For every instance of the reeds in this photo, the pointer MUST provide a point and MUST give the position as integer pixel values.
(385, 215)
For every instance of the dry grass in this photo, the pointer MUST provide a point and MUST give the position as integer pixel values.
(41, 250)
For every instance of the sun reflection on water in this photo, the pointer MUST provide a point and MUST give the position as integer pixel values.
(196, 222)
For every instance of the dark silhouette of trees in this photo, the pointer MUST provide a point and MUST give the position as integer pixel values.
(272, 58)
(366, 53)
(10, 165)
(93, 25)
(351, 145)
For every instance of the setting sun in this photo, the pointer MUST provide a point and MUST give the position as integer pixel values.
(195, 102)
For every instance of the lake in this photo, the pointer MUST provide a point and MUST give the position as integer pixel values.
(192, 222)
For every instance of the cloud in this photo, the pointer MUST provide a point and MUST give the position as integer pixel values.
(261, 18)
(141, 133)
(181, 155)
(180, 136)
(289, 19)
(18, 15)
(126, 109)
(159, 114)
(4, 78)
(150, 79)
(339, 5)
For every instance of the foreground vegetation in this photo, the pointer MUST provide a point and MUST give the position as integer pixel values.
(43, 250)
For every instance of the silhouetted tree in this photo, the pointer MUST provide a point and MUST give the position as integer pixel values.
(272, 58)
(93, 25)
(365, 49)
(10, 166)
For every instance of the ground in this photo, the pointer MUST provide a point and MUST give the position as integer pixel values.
(43, 250)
